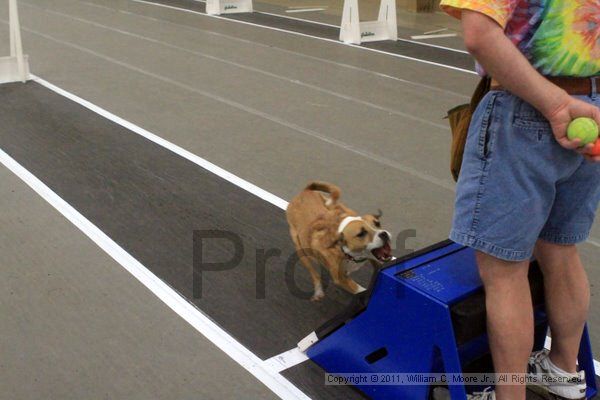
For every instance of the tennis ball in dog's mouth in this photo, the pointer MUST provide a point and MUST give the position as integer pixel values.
(583, 128)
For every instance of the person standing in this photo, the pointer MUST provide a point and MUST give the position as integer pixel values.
(525, 189)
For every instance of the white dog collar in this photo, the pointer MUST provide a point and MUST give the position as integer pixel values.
(346, 221)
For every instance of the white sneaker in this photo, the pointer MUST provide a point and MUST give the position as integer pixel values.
(487, 394)
(442, 393)
(551, 382)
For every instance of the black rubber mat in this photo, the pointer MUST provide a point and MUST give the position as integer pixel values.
(150, 201)
(414, 50)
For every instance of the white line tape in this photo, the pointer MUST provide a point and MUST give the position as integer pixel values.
(244, 357)
(441, 35)
(286, 360)
(435, 31)
(295, 7)
(594, 242)
(301, 10)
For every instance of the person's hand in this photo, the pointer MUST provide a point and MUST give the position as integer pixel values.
(567, 109)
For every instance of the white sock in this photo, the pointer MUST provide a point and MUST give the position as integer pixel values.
(554, 368)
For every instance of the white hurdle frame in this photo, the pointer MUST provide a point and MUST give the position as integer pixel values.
(352, 31)
(218, 7)
(14, 68)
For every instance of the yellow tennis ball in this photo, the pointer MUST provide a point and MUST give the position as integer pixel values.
(583, 128)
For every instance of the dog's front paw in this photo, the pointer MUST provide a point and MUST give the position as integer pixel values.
(359, 289)
(318, 296)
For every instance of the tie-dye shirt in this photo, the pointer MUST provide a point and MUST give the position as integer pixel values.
(559, 37)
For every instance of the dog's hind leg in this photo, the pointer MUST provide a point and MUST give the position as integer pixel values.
(316, 279)
(305, 259)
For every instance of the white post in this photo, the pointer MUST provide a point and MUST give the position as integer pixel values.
(218, 7)
(15, 40)
(387, 13)
(356, 32)
(213, 7)
(15, 67)
(350, 28)
(13, 51)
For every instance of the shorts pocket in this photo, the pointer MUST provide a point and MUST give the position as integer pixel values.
(485, 132)
(530, 122)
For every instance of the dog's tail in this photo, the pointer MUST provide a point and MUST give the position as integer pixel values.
(329, 188)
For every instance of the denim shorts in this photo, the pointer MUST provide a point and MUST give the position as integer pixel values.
(517, 184)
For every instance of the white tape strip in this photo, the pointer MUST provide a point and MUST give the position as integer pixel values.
(441, 35)
(301, 10)
(286, 360)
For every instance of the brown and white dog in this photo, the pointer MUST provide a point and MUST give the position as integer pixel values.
(330, 233)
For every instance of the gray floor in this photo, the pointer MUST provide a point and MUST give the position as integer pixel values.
(237, 95)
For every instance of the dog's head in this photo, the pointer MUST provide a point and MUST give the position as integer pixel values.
(363, 238)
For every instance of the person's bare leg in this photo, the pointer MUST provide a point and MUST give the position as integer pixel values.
(509, 318)
(567, 293)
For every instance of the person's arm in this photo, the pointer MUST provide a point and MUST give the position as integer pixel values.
(486, 41)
